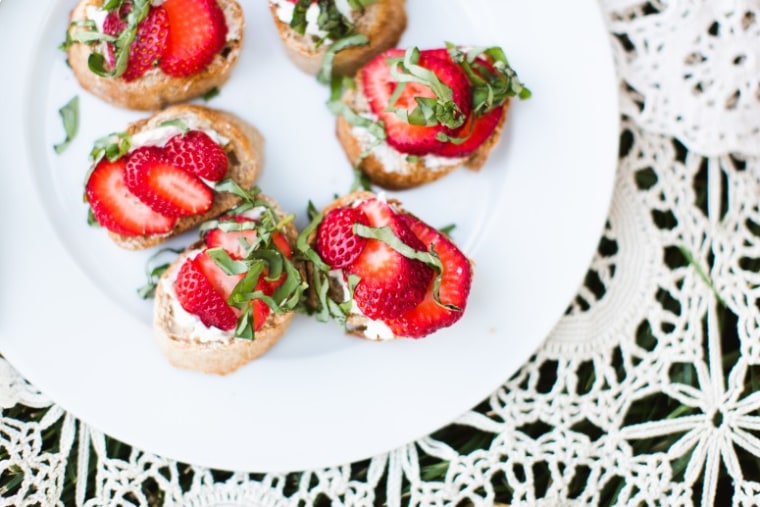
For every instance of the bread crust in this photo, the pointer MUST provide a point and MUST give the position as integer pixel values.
(245, 150)
(382, 22)
(183, 350)
(155, 90)
(413, 171)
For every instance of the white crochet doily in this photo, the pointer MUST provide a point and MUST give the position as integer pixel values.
(640, 396)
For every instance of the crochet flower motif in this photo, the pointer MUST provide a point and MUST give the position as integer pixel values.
(709, 97)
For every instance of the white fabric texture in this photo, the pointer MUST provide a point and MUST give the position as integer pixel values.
(677, 266)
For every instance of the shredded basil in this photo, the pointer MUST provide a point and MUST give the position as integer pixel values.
(492, 85)
(441, 110)
(177, 123)
(325, 73)
(260, 256)
(154, 268)
(213, 92)
(70, 117)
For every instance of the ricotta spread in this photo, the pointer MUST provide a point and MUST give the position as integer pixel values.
(188, 324)
(159, 136)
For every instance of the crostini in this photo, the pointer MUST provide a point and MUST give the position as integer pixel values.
(412, 116)
(380, 271)
(170, 172)
(310, 28)
(229, 298)
(146, 54)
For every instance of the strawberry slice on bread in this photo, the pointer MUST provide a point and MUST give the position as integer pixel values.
(146, 55)
(406, 279)
(230, 297)
(415, 115)
(160, 177)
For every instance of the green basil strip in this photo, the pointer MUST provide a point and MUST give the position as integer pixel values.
(177, 123)
(70, 117)
(154, 268)
(360, 4)
(228, 265)
(325, 73)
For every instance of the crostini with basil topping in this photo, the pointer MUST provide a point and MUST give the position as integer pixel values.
(381, 272)
(412, 116)
(168, 173)
(229, 298)
(347, 32)
(147, 54)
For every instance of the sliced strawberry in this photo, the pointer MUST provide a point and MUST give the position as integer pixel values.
(474, 134)
(198, 31)
(221, 281)
(198, 154)
(198, 296)
(390, 284)
(337, 244)
(149, 43)
(476, 130)
(282, 244)
(224, 284)
(164, 187)
(116, 208)
(379, 86)
(236, 243)
(429, 316)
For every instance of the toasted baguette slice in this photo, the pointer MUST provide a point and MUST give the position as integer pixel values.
(155, 90)
(382, 22)
(185, 349)
(390, 169)
(245, 152)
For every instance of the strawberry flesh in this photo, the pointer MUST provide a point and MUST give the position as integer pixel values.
(337, 244)
(428, 316)
(476, 129)
(150, 39)
(164, 187)
(116, 208)
(198, 31)
(197, 295)
(379, 86)
(224, 284)
(235, 243)
(390, 284)
(198, 154)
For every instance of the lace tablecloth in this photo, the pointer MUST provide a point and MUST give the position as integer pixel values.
(646, 393)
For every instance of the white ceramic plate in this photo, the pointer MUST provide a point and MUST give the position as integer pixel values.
(71, 323)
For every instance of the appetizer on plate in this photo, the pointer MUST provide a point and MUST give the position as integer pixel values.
(145, 54)
(382, 272)
(170, 172)
(229, 298)
(355, 30)
(412, 116)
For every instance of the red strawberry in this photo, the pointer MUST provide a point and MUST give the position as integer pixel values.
(337, 244)
(475, 134)
(164, 187)
(390, 284)
(198, 154)
(149, 43)
(378, 85)
(223, 284)
(198, 31)
(236, 243)
(429, 316)
(116, 208)
(198, 296)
